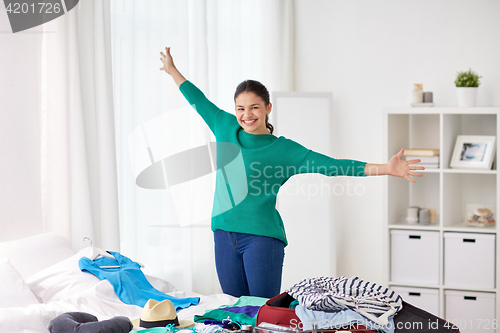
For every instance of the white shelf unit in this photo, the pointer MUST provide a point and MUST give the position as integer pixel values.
(444, 189)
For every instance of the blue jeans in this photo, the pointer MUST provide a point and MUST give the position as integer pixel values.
(248, 265)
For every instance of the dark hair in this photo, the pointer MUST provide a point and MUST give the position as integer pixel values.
(258, 89)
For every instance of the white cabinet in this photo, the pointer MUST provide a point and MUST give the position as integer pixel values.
(464, 260)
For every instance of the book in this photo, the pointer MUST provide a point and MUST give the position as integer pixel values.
(420, 152)
(423, 159)
(427, 165)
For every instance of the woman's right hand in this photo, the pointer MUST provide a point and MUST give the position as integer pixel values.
(168, 62)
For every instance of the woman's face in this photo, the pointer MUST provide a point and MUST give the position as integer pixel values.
(251, 113)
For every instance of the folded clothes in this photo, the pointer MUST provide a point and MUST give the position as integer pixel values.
(369, 299)
(244, 311)
(81, 322)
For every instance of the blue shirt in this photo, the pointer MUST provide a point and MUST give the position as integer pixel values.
(129, 282)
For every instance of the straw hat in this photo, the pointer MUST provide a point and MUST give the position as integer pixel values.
(160, 314)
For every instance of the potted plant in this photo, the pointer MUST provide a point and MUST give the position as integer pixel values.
(467, 84)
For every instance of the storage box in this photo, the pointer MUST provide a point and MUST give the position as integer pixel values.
(470, 311)
(415, 256)
(469, 260)
(424, 298)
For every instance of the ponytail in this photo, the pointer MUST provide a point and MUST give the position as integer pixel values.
(268, 125)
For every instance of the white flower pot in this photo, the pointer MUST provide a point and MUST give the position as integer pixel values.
(467, 96)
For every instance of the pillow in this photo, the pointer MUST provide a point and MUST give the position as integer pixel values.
(160, 284)
(32, 254)
(13, 290)
(62, 280)
(65, 279)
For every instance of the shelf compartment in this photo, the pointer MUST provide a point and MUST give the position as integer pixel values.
(465, 124)
(403, 194)
(460, 189)
(412, 131)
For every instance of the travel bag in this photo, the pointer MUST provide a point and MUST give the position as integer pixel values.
(409, 319)
(277, 311)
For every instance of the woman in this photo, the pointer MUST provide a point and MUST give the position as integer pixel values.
(250, 238)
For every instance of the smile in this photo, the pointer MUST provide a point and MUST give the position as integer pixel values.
(249, 121)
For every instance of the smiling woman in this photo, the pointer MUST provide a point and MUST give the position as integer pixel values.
(253, 107)
(250, 237)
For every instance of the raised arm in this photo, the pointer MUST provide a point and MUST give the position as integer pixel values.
(206, 109)
(169, 67)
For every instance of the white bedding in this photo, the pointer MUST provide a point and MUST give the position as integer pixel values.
(43, 294)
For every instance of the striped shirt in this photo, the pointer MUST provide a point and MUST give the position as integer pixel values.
(371, 300)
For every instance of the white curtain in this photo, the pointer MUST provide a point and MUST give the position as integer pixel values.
(216, 45)
(78, 157)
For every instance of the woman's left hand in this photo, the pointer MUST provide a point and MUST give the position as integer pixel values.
(400, 168)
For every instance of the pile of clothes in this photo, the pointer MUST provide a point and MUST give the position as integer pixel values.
(336, 302)
(322, 302)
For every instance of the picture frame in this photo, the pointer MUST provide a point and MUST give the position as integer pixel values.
(473, 152)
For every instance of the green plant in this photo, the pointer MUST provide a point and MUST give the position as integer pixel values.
(467, 79)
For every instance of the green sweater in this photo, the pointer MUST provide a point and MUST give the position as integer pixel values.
(252, 168)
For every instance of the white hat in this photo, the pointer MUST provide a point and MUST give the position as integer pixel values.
(160, 314)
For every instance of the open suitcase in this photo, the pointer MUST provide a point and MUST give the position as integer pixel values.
(412, 320)
(277, 311)
(409, 320)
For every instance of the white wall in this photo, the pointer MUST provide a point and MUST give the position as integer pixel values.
(369, 54)
(20, 208)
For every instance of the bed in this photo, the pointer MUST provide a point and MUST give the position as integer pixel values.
(40, 279)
